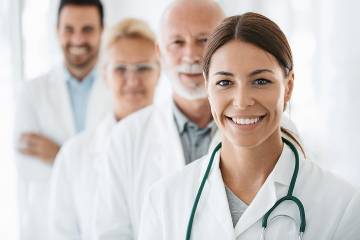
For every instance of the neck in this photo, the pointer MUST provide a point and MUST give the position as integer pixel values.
(245, 170)
(80, 73)
(197, 111)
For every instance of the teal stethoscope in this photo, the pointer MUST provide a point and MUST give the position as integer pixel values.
(289, 196)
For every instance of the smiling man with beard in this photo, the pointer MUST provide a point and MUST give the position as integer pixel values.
(161, 138)
(54, 107)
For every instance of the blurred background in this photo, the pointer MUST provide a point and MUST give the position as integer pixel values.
(325, 43)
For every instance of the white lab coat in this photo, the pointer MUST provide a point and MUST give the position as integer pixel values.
(144, 147)
(44, 107)
(139, 152)
(73, 182)
(332, 206)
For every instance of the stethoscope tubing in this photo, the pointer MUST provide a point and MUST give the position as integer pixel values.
(288, 197)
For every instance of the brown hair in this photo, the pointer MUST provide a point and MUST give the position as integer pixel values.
(260, 31)
(251, 28)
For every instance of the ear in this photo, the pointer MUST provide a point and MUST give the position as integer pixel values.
(289, 86)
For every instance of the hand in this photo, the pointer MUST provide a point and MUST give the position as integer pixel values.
(39, 146)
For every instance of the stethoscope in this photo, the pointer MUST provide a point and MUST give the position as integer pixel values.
(289, 196)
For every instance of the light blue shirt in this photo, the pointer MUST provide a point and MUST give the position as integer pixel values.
(79, 92)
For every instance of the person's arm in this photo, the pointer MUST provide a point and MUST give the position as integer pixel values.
(27, 121)
(39, 146)
(349, 226)
(63, 220)
(112, 220)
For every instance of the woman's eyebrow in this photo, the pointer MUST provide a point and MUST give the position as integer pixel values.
(255, 72)
(258, 71)
(223, 73)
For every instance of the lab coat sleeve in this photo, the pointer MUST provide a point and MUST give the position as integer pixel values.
(150, 227)
(63, 221)
(26, 120)
(349, 226)
(111, 214)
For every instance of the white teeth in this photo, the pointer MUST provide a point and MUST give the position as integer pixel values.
(77, 50)
(187, 68)
(245, 121)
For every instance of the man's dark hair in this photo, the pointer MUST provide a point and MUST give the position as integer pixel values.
(95, 3)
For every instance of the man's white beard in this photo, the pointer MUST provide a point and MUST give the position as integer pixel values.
(195, 93)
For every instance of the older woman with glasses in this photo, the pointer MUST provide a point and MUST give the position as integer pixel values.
(131, 70)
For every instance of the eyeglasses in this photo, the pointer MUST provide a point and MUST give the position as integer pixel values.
(138, 68)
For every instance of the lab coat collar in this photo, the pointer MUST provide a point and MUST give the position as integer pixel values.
(59, 93)
(101, 140)
(214, 191)
(103, 132)
(275, 187)
(167, 109)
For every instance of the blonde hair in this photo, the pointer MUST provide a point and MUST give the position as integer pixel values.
(129, 28)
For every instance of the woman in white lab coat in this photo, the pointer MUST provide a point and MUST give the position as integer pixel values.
(249, 72)
(132, 71)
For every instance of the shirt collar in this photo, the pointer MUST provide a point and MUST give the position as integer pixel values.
(284, 168)
(182, 121)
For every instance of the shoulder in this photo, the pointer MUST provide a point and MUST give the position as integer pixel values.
(327, 184)
(137, 124)
(182, 184)
(332, 201)
(35, 85)
(43, 78)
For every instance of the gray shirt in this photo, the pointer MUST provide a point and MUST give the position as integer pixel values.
(195, 141)
(237, 207)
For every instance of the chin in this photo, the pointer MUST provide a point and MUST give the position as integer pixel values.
(247, 142)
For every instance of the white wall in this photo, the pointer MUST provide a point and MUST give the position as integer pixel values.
(324, 37)
(9, 74)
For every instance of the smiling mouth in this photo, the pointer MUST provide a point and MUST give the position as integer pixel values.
(78, 51)
(246, 121)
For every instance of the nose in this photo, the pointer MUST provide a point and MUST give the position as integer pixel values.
(192, 53)
(242, 98)
(132, 78)
(78, 38)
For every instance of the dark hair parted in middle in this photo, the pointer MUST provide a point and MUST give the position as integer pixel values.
(255, 29)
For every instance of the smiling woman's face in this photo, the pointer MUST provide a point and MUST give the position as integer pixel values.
(247, 91)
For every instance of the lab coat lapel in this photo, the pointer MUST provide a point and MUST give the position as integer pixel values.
(99, 103)
(275, 187)
(173, 137)
(102, 134)
(101, 138)
(215, 196)
(60, 97)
